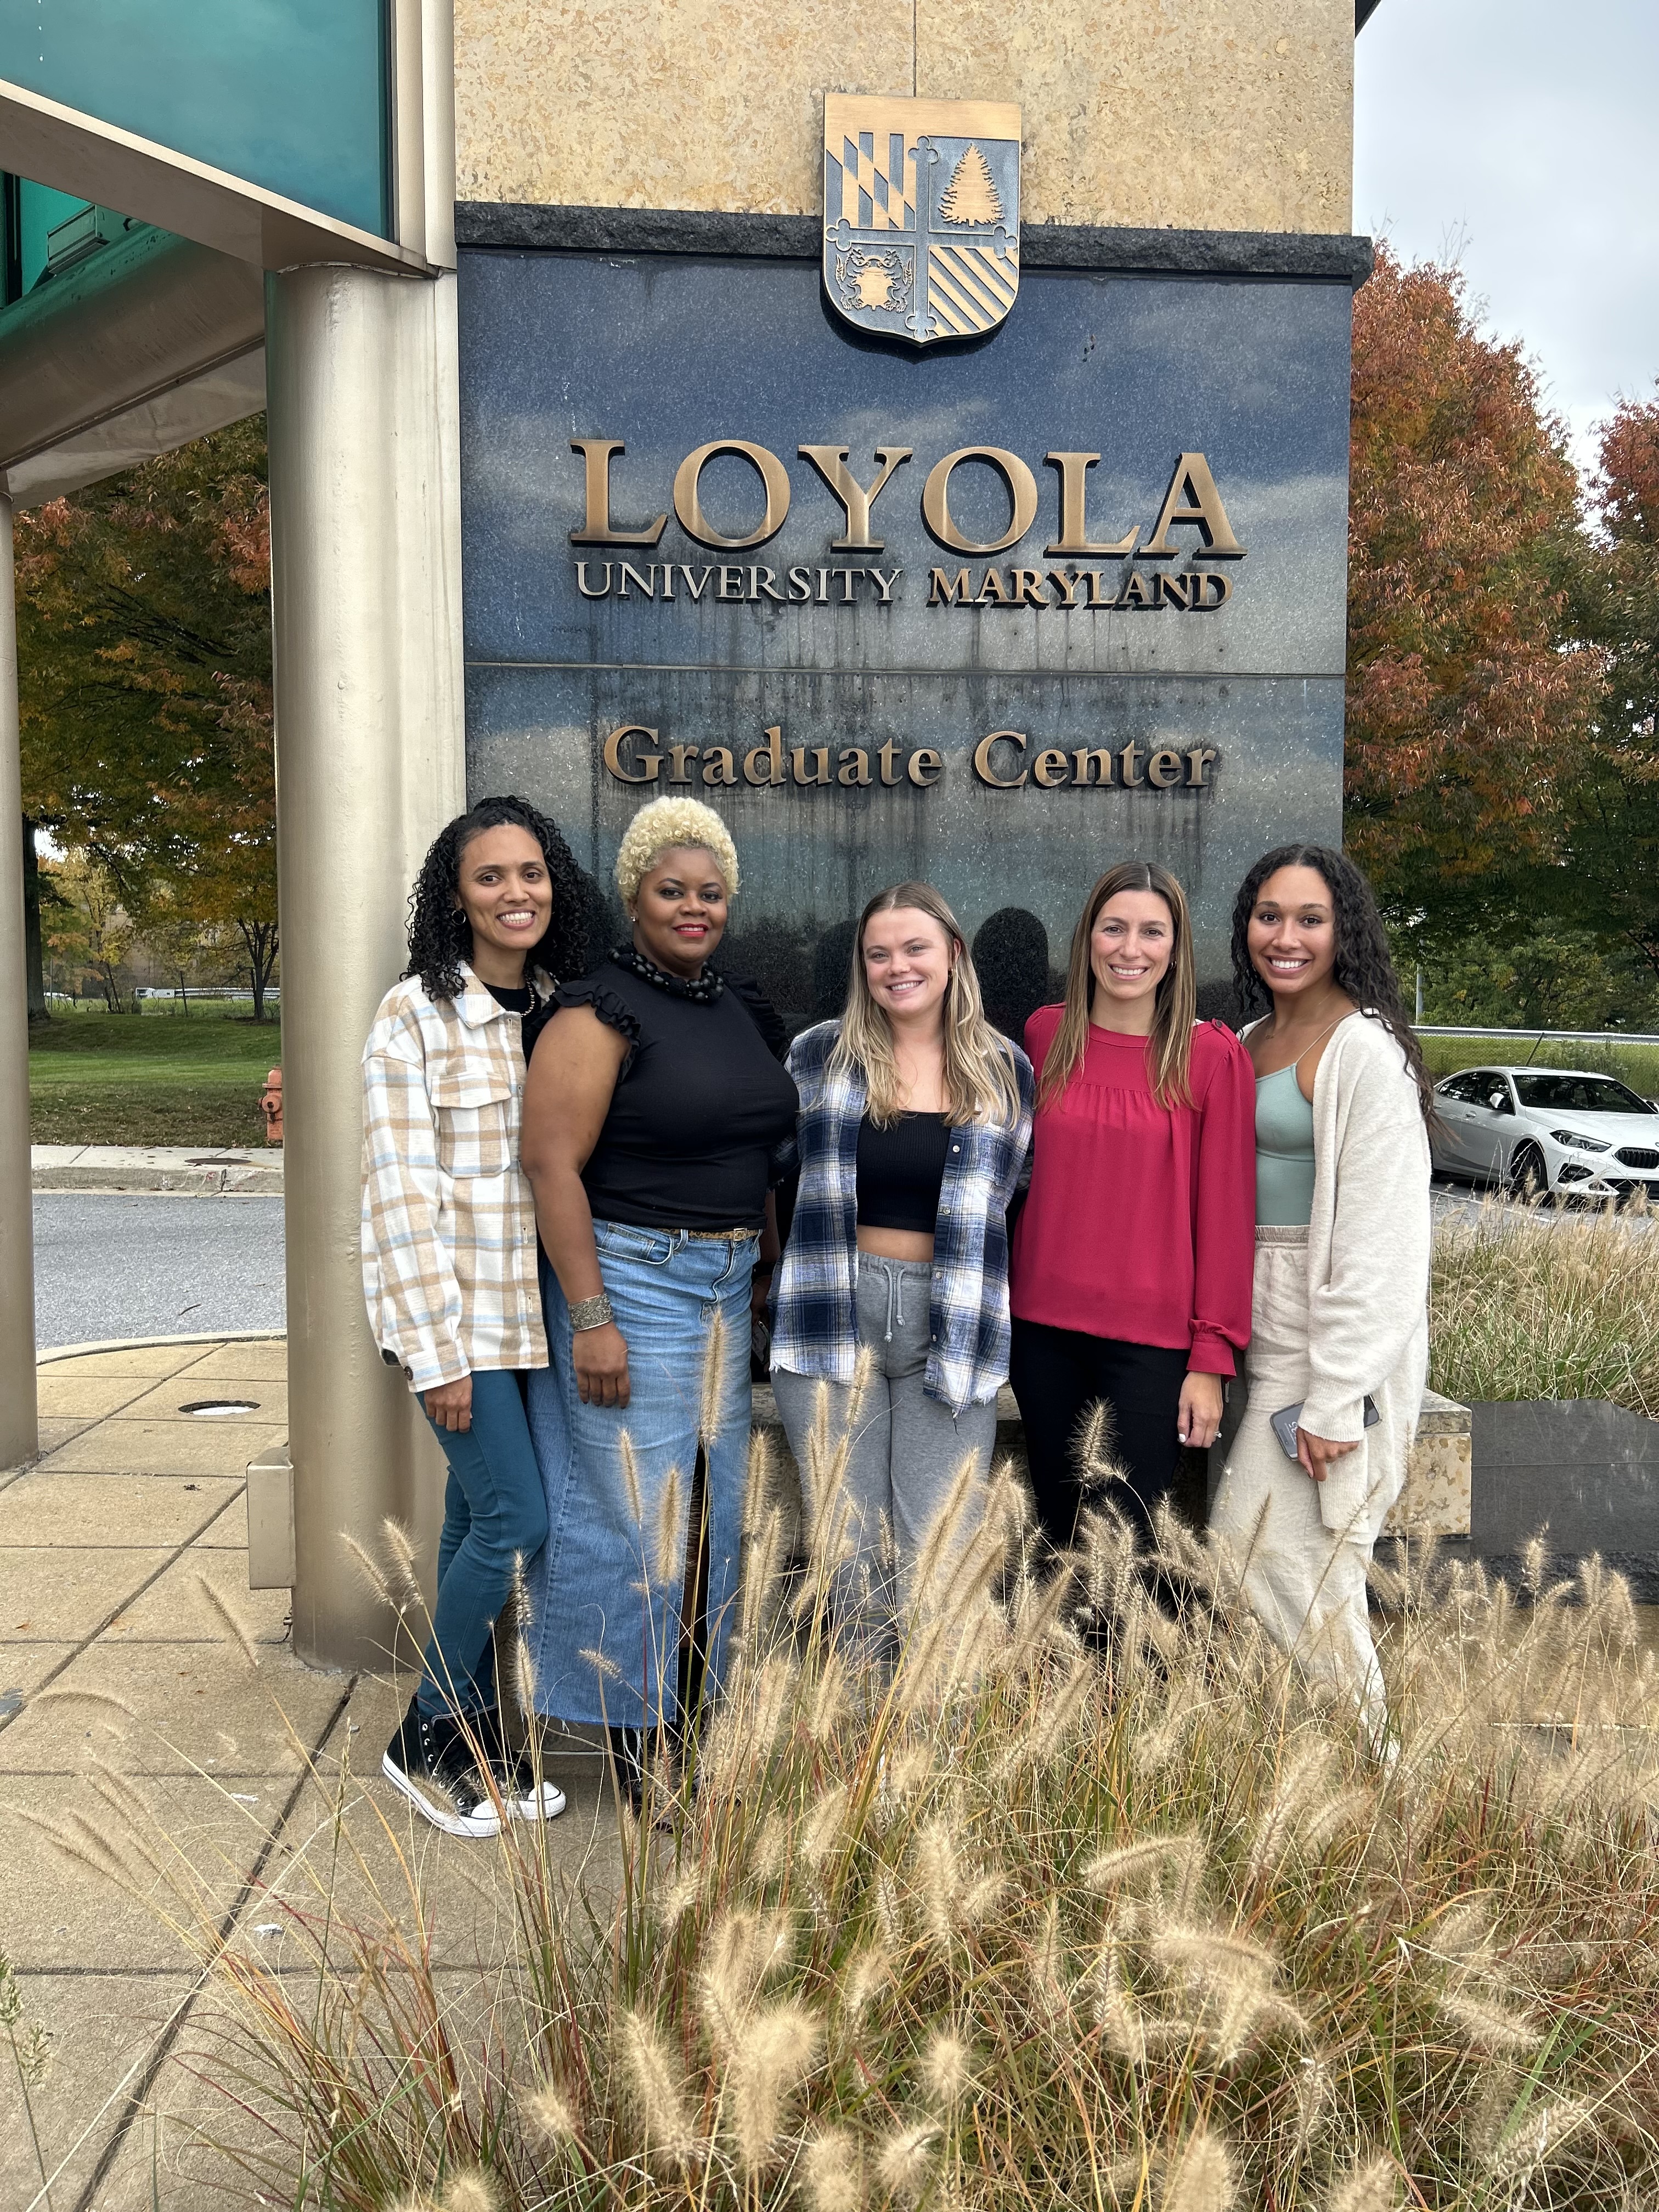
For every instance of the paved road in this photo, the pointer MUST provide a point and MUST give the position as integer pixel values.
(142, 1266)
(147, 1265)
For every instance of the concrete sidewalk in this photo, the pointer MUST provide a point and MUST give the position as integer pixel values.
(188, 1170)
(121, 1673)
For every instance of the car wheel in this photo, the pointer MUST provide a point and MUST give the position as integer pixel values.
(1529, 1178)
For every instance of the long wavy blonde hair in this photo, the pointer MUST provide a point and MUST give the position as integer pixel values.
(979, 1067)
(1170, 1048)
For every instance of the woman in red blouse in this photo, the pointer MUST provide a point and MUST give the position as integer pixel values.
(1134, 1256)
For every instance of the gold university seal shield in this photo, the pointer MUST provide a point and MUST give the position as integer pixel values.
(920, 214)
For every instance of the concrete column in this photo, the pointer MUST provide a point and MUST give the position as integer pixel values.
(365, 494)
(19, 1433)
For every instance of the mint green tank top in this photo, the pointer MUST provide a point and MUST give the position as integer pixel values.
(1284, 1151)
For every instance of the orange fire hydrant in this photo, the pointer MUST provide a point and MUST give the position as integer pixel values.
(271, 1105)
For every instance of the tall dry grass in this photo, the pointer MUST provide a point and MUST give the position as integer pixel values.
(1040, 1917)
(1537, 1303)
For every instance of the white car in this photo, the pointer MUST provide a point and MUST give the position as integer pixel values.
(1544, 1129)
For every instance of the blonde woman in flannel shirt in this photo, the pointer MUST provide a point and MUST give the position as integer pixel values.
(915, 1117)
(449, 1263)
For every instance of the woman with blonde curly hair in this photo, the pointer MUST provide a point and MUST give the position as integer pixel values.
(655, 1111)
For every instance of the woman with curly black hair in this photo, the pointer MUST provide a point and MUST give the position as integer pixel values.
(1339, 1344)
(441, 926)
(449, 1261)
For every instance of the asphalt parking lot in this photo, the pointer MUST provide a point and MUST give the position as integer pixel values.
(109, 1265)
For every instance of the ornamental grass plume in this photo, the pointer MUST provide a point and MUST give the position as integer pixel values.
(469, 2191)
(1201, 2177)
(1022, 1915)
(653, 2083)
(945, 2068)
(669, 1564)
(1532, 1303)
(774, 2053)
(711, 1413)
(905, 2163)
(1368, 2188)
(832, 2170)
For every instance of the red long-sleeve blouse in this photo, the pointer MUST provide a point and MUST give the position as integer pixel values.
(1140, 1224)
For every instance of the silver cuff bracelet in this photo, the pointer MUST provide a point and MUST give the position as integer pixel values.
(592, 1313)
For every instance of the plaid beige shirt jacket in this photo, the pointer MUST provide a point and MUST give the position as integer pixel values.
(448, 1223)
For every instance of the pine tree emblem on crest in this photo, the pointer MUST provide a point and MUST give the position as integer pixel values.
(921, 215)
(971, 194)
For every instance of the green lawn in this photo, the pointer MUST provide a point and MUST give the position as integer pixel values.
(103, 1078)
(172, 1079)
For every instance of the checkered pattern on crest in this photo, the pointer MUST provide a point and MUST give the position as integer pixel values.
(877, 184)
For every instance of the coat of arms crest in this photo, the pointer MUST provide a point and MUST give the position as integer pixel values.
(920, 214)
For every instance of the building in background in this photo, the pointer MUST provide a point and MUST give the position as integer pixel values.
(921, 432)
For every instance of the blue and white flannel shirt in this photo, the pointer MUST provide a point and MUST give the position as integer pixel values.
(815, 1303)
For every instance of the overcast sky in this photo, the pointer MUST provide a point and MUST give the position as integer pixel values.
(1520, 136)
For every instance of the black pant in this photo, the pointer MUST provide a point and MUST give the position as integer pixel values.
(1057, 1375)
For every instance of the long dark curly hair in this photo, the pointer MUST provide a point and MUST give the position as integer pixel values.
(1364, 966)
(440, 934)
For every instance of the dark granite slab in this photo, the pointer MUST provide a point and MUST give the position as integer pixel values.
(668, 350)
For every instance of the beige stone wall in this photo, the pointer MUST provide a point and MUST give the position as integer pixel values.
(1203, 114)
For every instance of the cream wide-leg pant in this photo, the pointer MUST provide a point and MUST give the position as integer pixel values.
(1304, 1577)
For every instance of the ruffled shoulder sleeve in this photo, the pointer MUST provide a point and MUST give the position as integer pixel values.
(764, 1015)
(1215, 1047)
(596, 995)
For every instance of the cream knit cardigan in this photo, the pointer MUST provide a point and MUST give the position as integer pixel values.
(1368, 1240)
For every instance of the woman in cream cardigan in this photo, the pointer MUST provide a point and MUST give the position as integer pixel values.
(1339, 1315)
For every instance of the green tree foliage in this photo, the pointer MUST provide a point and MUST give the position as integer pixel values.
(144, 652)
(1552, 975)
(87, 929)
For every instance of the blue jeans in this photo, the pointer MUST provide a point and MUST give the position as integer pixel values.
(495, 1511)
(617, 1603)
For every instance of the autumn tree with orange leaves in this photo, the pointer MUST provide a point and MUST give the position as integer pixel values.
(145, 686)
(1470, 701)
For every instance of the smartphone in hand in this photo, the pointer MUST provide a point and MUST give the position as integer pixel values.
(1285, 1421)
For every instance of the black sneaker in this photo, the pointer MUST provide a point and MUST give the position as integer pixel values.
(430, 1760)
(628, 1767)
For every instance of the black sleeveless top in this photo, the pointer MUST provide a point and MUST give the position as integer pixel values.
(700, 1106)
(900, 1171)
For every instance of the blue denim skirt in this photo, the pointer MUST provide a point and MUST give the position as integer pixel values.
(615, 1590)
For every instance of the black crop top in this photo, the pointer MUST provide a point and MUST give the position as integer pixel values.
(700, 1106)
(900, 1171)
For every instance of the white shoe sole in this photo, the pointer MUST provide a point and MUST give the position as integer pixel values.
(551, 1804)
(476, 1826)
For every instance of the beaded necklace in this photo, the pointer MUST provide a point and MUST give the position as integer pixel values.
(702, 990)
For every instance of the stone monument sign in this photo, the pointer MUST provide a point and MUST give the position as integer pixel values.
(914, 548)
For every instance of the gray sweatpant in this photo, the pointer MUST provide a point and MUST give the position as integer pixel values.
(905, 1449)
